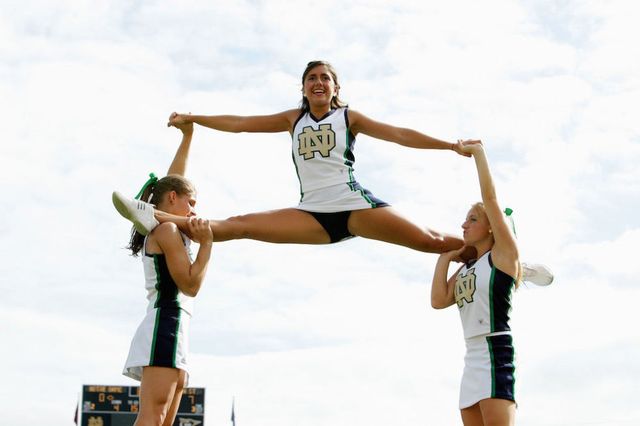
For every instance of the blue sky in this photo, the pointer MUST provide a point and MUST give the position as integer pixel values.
(319, 335)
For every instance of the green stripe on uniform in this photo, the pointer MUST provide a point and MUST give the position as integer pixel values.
(344, 156)
(493, 368)
(158, 276)
(175, 343)
(491, 309)
(155, 335)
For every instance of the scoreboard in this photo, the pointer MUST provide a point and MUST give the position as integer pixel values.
(118, 406)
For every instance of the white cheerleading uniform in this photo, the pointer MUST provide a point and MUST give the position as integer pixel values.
(322, 151)
(162, 339)
(483, 295)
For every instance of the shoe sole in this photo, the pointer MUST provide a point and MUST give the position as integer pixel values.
(542, 276)
(121, 207)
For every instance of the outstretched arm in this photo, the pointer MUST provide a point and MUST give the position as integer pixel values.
(360, 123)
(280, 122)
(179, 164)
(505, 251)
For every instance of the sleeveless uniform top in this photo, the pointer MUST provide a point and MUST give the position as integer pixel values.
(162, 291)
(483, 295)
(322, 150)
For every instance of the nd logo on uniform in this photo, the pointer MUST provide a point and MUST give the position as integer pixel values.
(95, 421)
(311, 141)
(465, 287)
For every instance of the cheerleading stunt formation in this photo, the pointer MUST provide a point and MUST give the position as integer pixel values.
(333, 207)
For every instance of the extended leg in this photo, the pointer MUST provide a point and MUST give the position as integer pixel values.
(385, 224)
(275, 226)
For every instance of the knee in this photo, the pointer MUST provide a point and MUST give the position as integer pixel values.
(432, 242)
(181, 383)
(153, 413)
(237, 226)
(154, 418)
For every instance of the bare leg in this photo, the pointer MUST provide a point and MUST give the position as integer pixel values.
(472, 416)
(498, 412)
(175, 402)
(157, 389)
(275, 226)
(385, 224)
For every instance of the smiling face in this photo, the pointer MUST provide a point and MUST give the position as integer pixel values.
(476, 228)
(319, 86)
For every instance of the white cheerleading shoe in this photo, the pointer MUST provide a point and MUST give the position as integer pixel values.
(537, 274)
(138, 212)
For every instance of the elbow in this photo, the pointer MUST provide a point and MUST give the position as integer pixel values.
(239, 125)
(189, 289)
(191, 292)
(490, 197)
(193, 289)
(437, 304)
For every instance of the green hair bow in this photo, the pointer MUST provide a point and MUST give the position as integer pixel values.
(151, 181)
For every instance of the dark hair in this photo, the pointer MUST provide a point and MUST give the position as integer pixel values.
(336, 102)
(155, 193)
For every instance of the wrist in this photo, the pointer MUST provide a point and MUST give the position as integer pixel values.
(446, 257)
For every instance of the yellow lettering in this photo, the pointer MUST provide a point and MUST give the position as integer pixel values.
(311, 141)
(465, 288)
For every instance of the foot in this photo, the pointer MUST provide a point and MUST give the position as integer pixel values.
(537, 274)
(138, 212)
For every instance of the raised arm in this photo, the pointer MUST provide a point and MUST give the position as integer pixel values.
(179, 164)
(280, 122)
(360, 123)
(505, 251)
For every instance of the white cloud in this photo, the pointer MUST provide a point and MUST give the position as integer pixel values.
(603, 260)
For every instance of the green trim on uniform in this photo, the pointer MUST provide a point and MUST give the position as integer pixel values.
(371, 203)
(175, 345)
(493, 368)
(156, 266)
(293, 157)
(491, 310)
(157, 286)
(155, 335)
(348, 145)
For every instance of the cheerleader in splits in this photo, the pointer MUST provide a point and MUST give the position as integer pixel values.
(333, 206)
